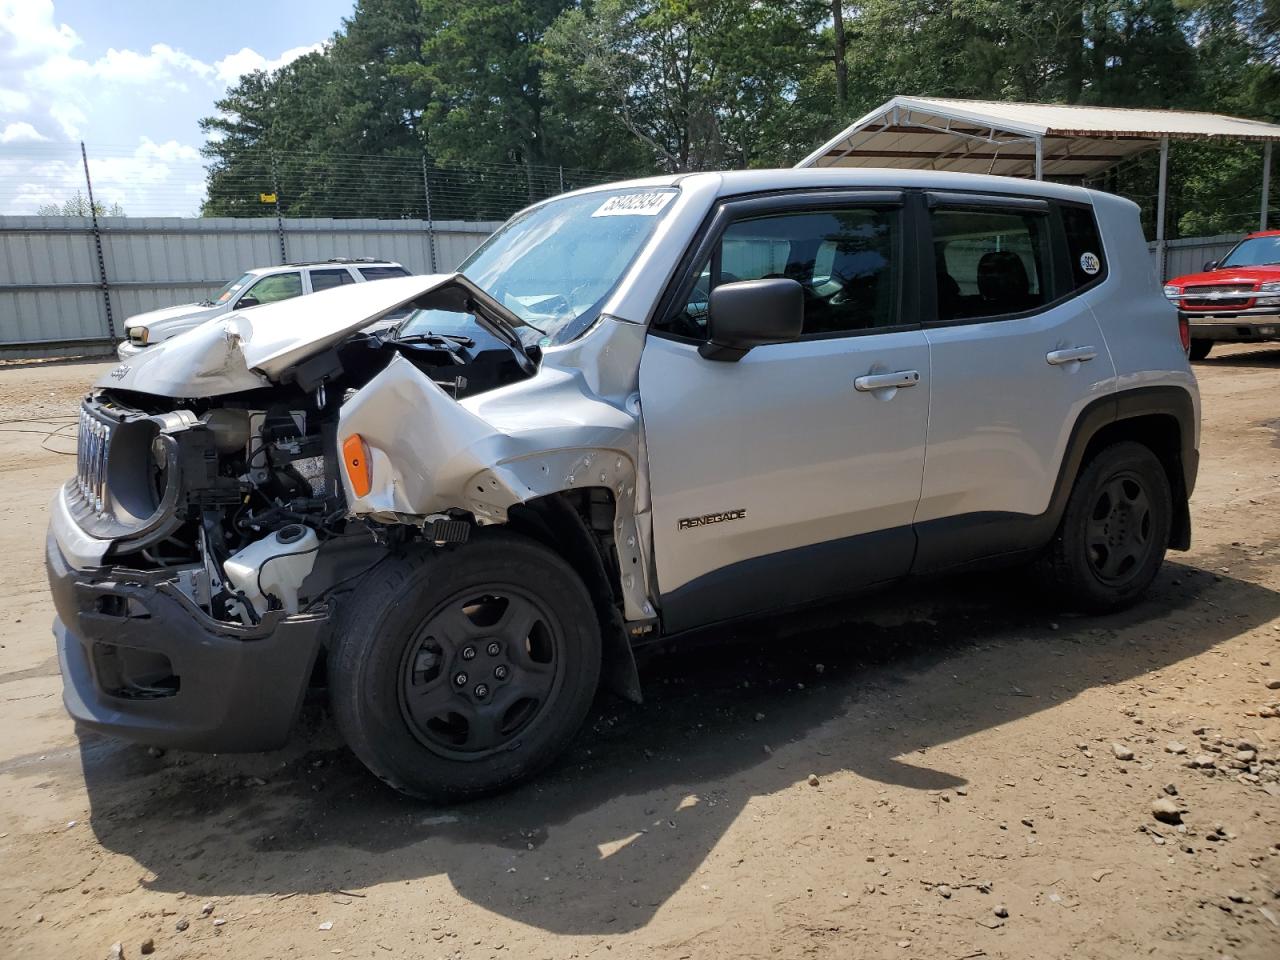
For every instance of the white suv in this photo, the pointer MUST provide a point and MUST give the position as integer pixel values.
(257, 286)
(638, 410)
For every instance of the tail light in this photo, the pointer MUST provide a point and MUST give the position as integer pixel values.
(1184, 332)
(355, 458)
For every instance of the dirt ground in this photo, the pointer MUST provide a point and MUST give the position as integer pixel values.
(970, 800)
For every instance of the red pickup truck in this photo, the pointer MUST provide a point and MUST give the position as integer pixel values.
(1236, 298)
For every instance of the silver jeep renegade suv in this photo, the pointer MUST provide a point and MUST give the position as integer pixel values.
(635, 410)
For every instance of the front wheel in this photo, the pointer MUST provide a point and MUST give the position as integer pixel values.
(1200, 349)
(457, 673)
(1114, 531)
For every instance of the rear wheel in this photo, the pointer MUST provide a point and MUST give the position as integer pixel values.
(1114, 532)
(1200, 349)
(458, 673)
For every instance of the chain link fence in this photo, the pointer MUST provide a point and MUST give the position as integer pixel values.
(175, 180)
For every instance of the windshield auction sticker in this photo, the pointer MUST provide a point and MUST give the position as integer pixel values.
(635, 205)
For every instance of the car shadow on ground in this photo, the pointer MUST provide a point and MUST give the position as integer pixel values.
(600, 842)
(1266, 359)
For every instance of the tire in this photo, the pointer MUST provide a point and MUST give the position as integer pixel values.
(1114, 531)
(1200, 349)
(458, 673)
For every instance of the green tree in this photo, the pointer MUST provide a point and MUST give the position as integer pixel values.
(699, 83)
(480, 61)
(78, 206)
(634, 86)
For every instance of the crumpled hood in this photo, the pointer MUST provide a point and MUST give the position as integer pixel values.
(252, 348)
(182, 311)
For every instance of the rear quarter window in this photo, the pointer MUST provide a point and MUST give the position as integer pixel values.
(382, 273)
(1084, 245)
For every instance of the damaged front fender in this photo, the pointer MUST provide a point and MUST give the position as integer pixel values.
(557, 431)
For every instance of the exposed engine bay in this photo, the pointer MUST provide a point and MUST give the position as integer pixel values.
(239, 496)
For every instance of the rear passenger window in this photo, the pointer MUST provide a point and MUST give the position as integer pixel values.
(382, 273)
(1084, 246)
(846, 261)
(328, 279)
(989, 262)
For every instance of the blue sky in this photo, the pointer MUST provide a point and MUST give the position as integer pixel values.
(132, 79)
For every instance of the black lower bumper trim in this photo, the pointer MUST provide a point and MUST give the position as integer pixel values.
(229, 688)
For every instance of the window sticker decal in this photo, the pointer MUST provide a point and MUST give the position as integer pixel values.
(635, 204)
(1090, 263)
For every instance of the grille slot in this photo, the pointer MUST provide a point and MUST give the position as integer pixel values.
(92, 450)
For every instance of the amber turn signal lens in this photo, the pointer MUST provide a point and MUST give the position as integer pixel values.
(355, 457)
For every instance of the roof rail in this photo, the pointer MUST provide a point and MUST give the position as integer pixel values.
(312, 263)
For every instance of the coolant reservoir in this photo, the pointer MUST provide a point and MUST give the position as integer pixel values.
(274, 566)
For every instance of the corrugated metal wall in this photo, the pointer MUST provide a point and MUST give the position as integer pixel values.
(1189, 256)
(51, 294)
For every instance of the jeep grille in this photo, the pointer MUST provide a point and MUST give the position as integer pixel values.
(93, 448)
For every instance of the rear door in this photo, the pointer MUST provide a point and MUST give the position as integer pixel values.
(793, 473)
(328, 278)
(1016, 354)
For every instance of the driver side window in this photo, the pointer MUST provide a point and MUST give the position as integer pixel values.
(846, 261)
(277, 286)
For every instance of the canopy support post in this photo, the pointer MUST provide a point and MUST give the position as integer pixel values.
(1039, 158)
(1266, 184)
(1161, 199)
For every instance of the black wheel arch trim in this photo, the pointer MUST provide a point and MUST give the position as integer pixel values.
(553, 521)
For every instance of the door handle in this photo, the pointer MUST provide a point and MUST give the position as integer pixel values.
(1070, 354)
(883, 381)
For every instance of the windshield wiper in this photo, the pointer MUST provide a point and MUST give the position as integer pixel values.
(442, 339)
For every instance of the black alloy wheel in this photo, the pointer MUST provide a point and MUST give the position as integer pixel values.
(479, 670)
(1114, 531)
(458, 672)
(1119, 531)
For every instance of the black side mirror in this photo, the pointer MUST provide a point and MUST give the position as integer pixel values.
(752, 313)
(1210, 265)
(246, 302)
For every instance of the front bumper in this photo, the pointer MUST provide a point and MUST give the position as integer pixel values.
(127, 349)
(1245, 326)
(141, 661)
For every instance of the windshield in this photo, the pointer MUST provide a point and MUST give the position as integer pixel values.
(230, 288)
(554, 265)
(1254, 252)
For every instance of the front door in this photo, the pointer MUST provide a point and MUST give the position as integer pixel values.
(794, 472)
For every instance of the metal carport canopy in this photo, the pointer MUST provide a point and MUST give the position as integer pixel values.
(1030, 140)
(982, 136)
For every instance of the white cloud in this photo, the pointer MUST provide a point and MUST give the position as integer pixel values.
(45, 84)
(234, 66)
(151, 179)
(13, 101)
(68, 117)
(29, 33)
(21, 132)
(53, 94)
(163, 64)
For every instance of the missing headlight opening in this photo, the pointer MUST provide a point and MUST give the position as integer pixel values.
(241, 497)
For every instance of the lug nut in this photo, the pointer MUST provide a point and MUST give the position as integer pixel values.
(460, 680)
(493, 649)
(500, 671)
(482, 690)
(468, 653)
